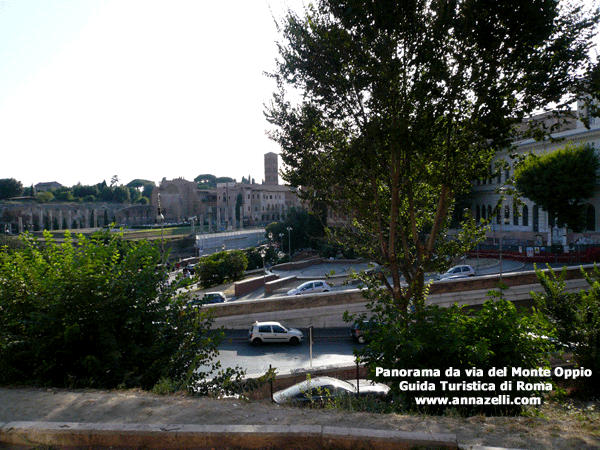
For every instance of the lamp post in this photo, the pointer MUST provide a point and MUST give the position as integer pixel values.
(270, 245)
(289, 229)
(263, 253)
(161, 218)
(502, 217)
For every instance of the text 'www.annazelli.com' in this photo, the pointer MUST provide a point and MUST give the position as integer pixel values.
(460, 401)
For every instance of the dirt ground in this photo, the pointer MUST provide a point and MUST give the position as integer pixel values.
(556, 428)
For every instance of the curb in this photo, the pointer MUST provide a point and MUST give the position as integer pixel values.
(247, 437)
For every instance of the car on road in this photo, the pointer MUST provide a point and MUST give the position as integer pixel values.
(463, 271)
(268, 332)
(214, 297)
(320, 390)
(361, 330)
(208, 298)
(310, 287)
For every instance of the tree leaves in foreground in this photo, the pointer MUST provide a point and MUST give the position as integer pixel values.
(403, 104)
(97, 312)
(576, 317)
(441, 338)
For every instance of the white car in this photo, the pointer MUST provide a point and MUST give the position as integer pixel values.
(463, 271)
(320, 390)
(310, 287)
(267, 332)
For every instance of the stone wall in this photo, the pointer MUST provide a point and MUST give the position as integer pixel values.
(30, 216)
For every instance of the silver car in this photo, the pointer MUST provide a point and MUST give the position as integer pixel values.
(310, 287)
(462, 271)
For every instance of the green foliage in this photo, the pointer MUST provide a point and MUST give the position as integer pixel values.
(254, 258)
(9, 187)
(206, 181)
(576, 317)
(63, 194)
(560, 182)
(221, 267)
(404, 103)
(121, 194)
(497, 335)
(44, 197)
(96, 312)
(308, 230)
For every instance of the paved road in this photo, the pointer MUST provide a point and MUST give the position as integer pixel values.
(332, 347)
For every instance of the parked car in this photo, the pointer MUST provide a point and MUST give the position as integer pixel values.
(463, 271)
(310, 287)
(319, 390)
(214, 297)
(208, 298)
(361, 331)
(267, 332)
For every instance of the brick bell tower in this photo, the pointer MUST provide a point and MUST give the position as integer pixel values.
(271, 169)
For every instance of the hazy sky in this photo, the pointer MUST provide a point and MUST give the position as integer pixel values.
(135, 88)
(146, 89)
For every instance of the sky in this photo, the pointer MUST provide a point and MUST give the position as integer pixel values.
(135, 88)
(146, 89)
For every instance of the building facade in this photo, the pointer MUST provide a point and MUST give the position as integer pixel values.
(229, 206)
(523, 222)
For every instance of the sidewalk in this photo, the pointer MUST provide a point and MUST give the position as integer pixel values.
(135, 419)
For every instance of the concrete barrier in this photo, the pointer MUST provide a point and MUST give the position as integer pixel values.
(272, 286)
(326, 309)
(249, 437)
(251, 284)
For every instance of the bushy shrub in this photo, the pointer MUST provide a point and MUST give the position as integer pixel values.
(576, 316)
(221, 267)
(495, 336)
(96, 312)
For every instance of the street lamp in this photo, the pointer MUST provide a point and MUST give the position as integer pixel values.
(161, 219)
(289, 229)
(263, 253)
(502, 217)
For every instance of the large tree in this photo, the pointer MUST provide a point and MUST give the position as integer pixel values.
(560, 182)
(9, 187)
(402, 104)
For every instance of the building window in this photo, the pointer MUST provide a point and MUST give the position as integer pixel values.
(516, 215)
(477, 213)
(525, 216)
(536, 218)
(489, 212)
(483, 212)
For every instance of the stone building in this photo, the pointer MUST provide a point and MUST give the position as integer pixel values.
(526, 223)
(48, 186)
(230, 205)
(271, 169)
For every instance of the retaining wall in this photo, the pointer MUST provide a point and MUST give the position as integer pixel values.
(327, 309)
